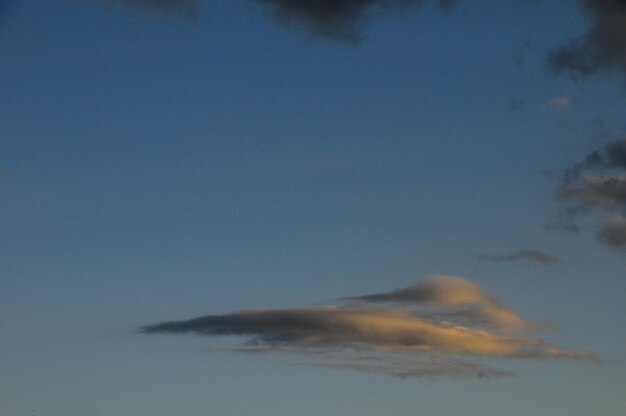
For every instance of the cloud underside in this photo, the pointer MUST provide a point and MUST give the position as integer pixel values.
(603, 47)
(336, 19)
(417, 331)
(595, 189)
(534, 256)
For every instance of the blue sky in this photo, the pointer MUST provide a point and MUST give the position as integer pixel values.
(155, 168)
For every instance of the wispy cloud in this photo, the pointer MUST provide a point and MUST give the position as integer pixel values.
(405, 366)
(395, 364)
(613, 231)
(597, 184)
(440, 316)
(535, 256)
(603, 47)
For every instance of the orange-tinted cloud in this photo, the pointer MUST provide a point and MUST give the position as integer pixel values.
(387, 324)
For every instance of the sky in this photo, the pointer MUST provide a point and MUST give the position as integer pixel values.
(278, 207)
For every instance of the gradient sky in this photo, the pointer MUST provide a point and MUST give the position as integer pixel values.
(156, 167)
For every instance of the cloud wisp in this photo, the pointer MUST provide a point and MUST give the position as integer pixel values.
(395, 364)
(597, 185)
(435, 322)
(603, 47)
(533, 256)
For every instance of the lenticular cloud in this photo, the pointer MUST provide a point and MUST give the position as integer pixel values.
(428, 329)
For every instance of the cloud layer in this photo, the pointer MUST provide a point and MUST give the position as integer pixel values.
(603, 47)
(440, 316)
(597, 186)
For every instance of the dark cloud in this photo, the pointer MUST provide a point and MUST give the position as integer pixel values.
(606, 192)
(535, 256)
(613, 232)
(598, 184)
(337, 19)
(379, 338)
(612, 155)
(603, 47)
(615, 153)
(187, 9)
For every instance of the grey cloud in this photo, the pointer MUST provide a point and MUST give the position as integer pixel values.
(603, 47)
(598, 184)
(337, 19)
(612, 156)
(613, 232)
(535, 256)
(616, 154)
(595, 191)
(375, 338)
